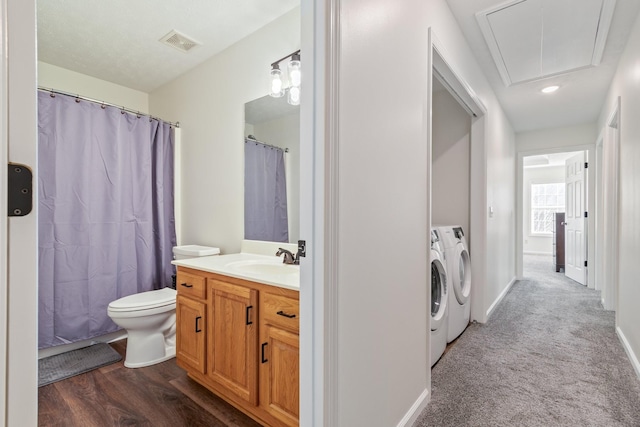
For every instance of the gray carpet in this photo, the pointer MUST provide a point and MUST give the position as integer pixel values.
(75, 362)
(549, 356)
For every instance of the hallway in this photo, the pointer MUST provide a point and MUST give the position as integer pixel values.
(549, 355)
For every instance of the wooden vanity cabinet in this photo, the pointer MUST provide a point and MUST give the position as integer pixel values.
(191, 322)
(190, 335)
(240, 339)
(279, 369)
(233, 338)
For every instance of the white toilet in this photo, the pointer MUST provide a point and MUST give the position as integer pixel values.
(150, 318)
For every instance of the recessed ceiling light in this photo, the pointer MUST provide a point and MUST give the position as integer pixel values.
(550, 89)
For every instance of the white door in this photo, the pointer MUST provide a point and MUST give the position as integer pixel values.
(575, 239)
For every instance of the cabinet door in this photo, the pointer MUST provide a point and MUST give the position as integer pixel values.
(233, 356)
(279, 374)
(191, 333)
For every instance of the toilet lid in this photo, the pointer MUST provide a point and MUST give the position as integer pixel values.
(145, 300)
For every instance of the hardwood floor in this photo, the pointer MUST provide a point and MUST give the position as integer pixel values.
(159, 395)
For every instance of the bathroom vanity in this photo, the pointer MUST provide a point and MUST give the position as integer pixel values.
(237, 332)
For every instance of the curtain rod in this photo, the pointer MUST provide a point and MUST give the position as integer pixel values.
(253, 139)
(96, 101)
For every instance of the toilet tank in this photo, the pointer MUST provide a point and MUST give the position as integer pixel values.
(194, 251)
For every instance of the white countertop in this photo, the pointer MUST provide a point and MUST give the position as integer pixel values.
(228, 265)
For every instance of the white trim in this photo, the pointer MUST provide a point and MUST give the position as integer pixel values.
(598, 263)
(500, 298)
(414, 412)
(606, 16)
(3, 209)
(611, 187)
(22, 302)
(318, 329)
(627, 347)
(331, 179)
(457, 86)
(427, 134)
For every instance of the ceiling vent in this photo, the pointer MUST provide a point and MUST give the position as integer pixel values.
(179, 41)
(535, 39)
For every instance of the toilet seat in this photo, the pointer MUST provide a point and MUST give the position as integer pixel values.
(144, 301)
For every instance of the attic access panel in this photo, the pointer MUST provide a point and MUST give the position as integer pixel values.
(534, 39)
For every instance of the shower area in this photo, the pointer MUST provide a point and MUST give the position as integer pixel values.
(106, 223)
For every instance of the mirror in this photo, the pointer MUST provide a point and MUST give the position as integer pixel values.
(273, 122)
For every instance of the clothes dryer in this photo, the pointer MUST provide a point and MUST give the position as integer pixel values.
(439, 299)
(456, 253)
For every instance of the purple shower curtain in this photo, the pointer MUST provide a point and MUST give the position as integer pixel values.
(106, 223)
(265, 193)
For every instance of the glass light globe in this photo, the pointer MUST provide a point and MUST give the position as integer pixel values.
(294, 71)
(294, 95)
(276, 82)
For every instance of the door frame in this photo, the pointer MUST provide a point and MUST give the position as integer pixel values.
(320, 40)
(22, 250)
(464, 94)
(610, 140)
(590, 149)
(318, 329)
(3, 208)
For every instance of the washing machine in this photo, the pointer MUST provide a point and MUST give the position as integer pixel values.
(439, 298)
(456, 253)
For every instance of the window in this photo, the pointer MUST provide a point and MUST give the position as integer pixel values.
(546, 199)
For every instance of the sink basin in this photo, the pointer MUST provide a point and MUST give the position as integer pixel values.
(259, 266)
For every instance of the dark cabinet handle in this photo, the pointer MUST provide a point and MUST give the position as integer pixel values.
(198, 326)
(263, 360)
(282, 313)
(248, 317)
(186, 285)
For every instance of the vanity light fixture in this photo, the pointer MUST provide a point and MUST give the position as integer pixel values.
(293, 70)
(550, 89)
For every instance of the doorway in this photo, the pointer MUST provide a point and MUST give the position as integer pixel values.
(551, 192)
(607, 232)
(535, 239)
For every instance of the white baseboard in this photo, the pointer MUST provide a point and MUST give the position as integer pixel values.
(415, 410)
(537, 253)
(627, 347)
(500, 297)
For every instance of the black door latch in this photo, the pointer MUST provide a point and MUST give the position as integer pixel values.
(20, 190)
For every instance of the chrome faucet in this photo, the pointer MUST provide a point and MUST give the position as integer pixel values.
(289, 258)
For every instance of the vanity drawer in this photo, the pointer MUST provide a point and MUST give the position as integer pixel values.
(191, 285)
(281, 311)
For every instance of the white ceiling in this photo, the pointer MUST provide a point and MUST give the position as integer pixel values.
(118, 40)
(582, 92)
